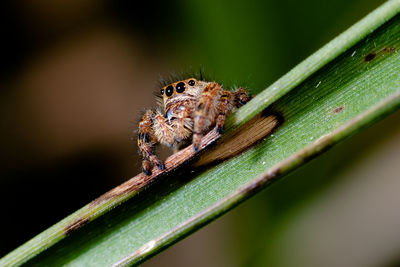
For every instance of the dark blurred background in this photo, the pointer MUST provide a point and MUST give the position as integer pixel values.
(75, 75)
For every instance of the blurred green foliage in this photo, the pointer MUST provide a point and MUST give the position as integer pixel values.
(255, 42)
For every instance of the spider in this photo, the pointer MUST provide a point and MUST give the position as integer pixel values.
(191, 108)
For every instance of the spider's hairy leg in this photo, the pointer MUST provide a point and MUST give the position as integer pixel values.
(204, 112)
(182, 125)
(240, 97)
(224, 108)
(147, 142)
(163, 130)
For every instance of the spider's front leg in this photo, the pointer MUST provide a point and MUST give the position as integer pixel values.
(205, 111)
(227, 102)
(147, 141)
(240, 97)
(224, 108)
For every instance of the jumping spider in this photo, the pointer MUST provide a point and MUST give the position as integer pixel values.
(190, 109)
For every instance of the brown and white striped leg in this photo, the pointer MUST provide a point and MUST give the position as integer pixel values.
(204, 111)
(147, 142)
(224, 108)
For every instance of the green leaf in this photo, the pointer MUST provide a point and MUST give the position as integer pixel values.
(345, 86)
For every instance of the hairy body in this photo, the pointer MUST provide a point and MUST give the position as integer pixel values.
(190, 108)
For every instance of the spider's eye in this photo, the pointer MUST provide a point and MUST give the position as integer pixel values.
(180, 87)
(169, 90)
(191, 82)
(162, 91)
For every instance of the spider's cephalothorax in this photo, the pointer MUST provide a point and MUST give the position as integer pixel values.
(190, 108)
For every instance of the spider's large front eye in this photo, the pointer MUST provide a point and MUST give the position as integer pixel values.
(169, 90)
(180, 87)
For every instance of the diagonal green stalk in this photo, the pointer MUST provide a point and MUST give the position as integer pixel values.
(343, 87)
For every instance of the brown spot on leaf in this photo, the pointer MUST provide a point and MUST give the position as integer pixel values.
(241, 139)
(338, 109)
(370, 57)
(389, 49)
(75, 225)
(134, 184)
(268, 177)
(272, 174)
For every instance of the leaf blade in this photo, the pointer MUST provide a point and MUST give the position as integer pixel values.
(179, 210)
